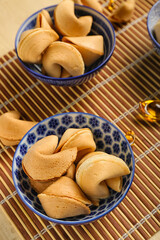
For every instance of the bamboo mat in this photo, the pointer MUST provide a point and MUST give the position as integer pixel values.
(131, 75)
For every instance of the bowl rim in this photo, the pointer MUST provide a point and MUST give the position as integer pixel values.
(50, 79)
(57, 221)
(149, 30)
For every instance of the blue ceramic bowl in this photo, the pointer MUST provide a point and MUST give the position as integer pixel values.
(108, 139)
(101, 25)
(153, 17)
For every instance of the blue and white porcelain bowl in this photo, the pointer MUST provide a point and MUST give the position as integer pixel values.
(108, 138)
(101, 25)
(153, 17)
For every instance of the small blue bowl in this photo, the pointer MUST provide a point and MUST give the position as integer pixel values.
(108, 139)
(101, 25)
(153, 17)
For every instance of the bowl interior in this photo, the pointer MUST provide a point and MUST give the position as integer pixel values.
(153, 17)
(100, 26)
(108, 138)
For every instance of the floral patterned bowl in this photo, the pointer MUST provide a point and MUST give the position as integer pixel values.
(153, 17)
(108, 138)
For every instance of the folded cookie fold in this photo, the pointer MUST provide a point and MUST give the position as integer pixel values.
(93, 171)
(90, 47)
(44, 20)
(62, 55)
(123, 12)
(67, 23)
(115, 183)
(71, 171)
(156, 30)
(46, 145)
(12, 128)
(64, 198)
(90, 3)
(40, 186)
(33, 43)
(93, 4)
(80, 138)
(43, 165)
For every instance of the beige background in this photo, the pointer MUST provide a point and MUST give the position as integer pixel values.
(13, 13)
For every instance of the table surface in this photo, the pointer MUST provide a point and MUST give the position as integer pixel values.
(132, 75)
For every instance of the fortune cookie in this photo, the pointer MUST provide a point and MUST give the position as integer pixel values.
(33, 42)
(42, 164)
(67, 23)
(157, 31)
(93, 4)
(90, 47)
(77, 1)
(61, 54)
(12, 129)
(93, 171)
(115, 183)
(44, 20)
(123, 12)
(71, 171)
(40, 186)
(64, 73)
(90, 3)
(63, 198)
(80, 138)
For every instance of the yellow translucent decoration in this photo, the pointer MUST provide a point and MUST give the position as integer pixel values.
(110, 5)
(150, 109)
(130, 135)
